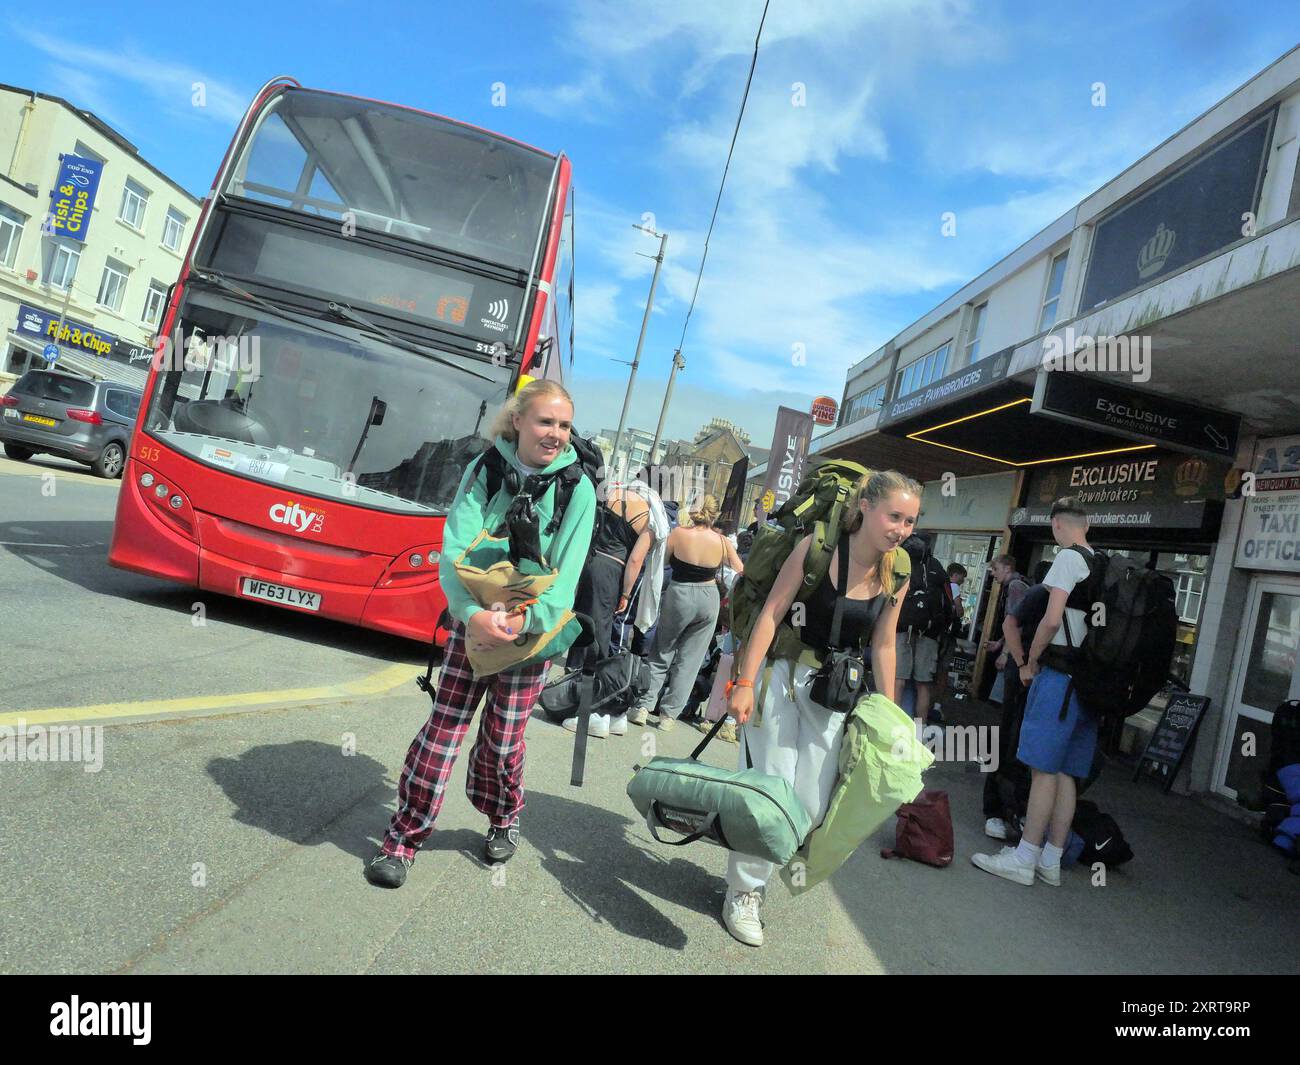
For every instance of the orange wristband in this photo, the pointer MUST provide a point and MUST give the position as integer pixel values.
(737, 684)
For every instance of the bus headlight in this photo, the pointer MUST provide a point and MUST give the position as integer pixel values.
(161, 491)
(146, 480)
(176, 502)
(416, 560)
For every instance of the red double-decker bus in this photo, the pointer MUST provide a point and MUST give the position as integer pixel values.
(366, 285)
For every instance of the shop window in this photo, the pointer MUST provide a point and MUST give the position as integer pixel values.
(11, 232)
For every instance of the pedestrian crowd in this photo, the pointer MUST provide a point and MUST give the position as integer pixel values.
(540, 567)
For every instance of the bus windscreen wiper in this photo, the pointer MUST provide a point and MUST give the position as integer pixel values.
(210, 277)
(342, 310)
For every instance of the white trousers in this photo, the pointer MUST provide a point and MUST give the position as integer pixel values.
(798, 740)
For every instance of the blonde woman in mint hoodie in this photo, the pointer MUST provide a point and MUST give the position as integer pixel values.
(532, 433)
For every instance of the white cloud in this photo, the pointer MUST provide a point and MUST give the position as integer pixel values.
(170, 84)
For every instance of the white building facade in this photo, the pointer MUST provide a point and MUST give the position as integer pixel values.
(110, 290)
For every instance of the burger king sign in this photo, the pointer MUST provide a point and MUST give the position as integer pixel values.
(824, 410)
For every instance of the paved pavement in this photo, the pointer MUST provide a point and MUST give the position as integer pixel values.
(235, 842)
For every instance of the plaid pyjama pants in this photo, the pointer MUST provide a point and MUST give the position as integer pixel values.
(496, 770)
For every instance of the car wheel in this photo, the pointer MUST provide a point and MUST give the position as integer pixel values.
(110, 461)
(18, 454)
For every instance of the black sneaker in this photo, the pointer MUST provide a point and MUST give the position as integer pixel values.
(501, 843)
(387, 870)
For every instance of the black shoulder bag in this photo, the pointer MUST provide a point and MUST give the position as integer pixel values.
(843, 675)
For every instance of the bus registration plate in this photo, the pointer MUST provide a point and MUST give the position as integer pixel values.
(278, 593)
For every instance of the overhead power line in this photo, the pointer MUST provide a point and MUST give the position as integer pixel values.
(723, 184)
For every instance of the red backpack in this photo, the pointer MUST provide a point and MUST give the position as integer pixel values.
(924, 830)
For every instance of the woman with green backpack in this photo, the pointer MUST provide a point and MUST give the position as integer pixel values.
(855, 605)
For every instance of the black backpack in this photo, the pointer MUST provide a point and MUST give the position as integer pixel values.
(1123, 663)
(926, 607)
(590, 464)
(1102, 839)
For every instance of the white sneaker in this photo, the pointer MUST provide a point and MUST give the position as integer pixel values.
(740, 915)
(618, 725)
(1048, 874)
(666, 723)
(637, 716)
(1006, 865)
(995, 828)
(597, 725)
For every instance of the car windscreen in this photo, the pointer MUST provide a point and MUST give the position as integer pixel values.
(391, 170)
(332, 412)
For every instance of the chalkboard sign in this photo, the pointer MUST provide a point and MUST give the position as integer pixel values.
(1173, 737)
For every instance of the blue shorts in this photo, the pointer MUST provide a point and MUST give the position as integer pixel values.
(1049, 744)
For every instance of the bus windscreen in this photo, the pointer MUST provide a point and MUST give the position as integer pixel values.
(333, 411)
(397, 171)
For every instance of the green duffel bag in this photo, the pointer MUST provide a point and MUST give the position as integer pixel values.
(743, 810)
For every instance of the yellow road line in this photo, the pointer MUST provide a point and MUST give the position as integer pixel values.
(375, 684)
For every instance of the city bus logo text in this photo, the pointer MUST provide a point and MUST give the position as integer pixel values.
(295, 517)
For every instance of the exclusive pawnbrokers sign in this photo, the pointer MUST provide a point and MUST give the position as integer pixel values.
(1148, 490)
(1270, 520)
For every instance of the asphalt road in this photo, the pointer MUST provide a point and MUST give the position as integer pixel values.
(234, 842)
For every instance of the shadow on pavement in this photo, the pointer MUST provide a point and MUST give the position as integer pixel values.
(601, 867)
(303, 789)
(76, 551)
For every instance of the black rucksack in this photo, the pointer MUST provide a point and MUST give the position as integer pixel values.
(1124, 662)
(1102, 839)
(590, 464)
(925, 608)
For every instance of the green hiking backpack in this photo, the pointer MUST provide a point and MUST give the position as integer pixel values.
(816, 508)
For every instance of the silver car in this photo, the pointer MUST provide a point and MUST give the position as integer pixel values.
(56, 413)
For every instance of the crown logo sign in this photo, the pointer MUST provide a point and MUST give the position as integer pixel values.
(1154, 253)
(1000, 367)
(1189, 477)
(1047, 491)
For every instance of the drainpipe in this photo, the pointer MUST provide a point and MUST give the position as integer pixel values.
(28, 108)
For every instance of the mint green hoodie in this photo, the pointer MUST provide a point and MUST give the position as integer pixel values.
(471, 512)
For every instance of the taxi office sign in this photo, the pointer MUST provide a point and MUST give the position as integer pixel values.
(73, 196)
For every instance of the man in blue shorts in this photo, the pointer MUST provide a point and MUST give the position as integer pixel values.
(1058, 739)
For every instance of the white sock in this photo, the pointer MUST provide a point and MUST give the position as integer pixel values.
(1051, 855)
(1027, 853)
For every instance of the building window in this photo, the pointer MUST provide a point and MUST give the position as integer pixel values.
(1051, 302)
(173, 229)
(864, 403)
(11, 232)
(112, 286)
(920, 373)
(153, 303)
(63, 266)
(976, 332)
(135, 198)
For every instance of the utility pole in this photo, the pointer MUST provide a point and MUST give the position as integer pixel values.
(636, 359)
(678, 364)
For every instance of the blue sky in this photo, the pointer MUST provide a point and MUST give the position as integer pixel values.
(829, 233)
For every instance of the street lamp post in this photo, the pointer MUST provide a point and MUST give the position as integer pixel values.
(678, 364)
(636, 359)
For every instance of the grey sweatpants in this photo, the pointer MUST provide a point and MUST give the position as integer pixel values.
(687, 618)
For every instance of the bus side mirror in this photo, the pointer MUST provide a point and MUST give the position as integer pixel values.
(377, 409)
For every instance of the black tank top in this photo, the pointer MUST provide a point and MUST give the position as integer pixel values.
(614, 535)
(689, 573)
(856, 621)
